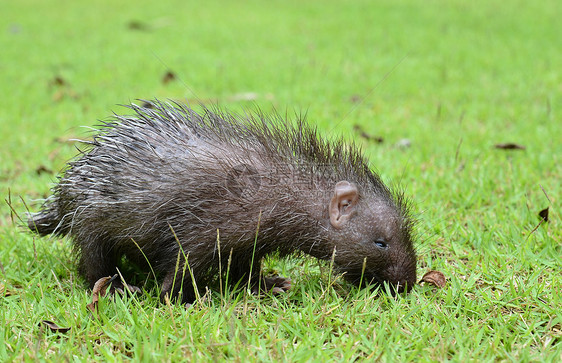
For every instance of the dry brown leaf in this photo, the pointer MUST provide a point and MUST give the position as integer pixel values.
(42, 169)
(4, 291)
(435, 278)
(8, 290)
(54, 327)
(509, 146)
(138, 25)
(367, 136)
(544, 214)
(100, 289)
(58, 81)
(168, 77)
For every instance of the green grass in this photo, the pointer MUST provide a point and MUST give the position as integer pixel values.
(453, 77)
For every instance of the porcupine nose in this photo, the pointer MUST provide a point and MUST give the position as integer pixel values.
(401, 277)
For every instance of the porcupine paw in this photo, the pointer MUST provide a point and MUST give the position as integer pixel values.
(273, 284)
(119, 286)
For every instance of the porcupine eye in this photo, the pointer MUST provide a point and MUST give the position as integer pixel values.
(381, 243)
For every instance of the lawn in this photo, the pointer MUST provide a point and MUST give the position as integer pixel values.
(439, 84)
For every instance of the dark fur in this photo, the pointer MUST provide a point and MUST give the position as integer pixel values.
(169, 170)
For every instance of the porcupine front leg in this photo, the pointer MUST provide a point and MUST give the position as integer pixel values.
(274, 284)
(177, 283)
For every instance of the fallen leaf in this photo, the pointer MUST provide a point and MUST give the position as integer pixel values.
(509, 146)
(42, 169)
(138, 25)
(4, 291)
(544, 214)
(100, 289)
(54, 327)
(168, 77)
(367, 136)
(58, 81)
(434, 278)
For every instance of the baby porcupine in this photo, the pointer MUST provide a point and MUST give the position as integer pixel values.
(167, 178)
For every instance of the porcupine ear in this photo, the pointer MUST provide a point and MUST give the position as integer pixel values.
(343, 203)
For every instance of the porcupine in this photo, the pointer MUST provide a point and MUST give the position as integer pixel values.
(167, 179)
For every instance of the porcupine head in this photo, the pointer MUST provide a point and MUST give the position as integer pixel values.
(370, 229)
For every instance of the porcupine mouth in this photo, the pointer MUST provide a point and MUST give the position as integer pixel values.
(394, 286)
